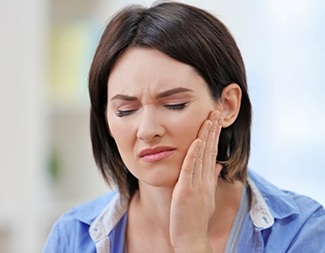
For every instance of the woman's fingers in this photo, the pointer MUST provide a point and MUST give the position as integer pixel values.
(200, 162)
(205, 164)
(189, 164)
(211, 147)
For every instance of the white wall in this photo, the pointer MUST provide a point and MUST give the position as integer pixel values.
(22, 125)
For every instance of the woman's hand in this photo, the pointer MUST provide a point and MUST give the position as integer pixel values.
(193, 200)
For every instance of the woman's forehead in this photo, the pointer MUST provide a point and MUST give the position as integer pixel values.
(139, 69)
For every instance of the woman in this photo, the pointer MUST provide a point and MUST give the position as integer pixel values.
(170, 127)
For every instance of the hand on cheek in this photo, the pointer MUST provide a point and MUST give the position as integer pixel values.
(193, 200)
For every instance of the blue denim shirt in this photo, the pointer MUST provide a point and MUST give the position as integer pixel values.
(278, 221)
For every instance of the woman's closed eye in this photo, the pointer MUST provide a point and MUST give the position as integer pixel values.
(176, 107)
(123, 113)
(126, 112)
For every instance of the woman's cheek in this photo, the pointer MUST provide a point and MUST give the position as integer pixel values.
(193, 122)
(116, 128)
(189, 127)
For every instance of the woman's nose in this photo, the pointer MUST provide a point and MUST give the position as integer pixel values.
(149, 125)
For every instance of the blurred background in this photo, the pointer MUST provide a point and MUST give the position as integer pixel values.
(46, 46)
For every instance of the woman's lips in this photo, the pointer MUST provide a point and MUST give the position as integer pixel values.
(156, 154)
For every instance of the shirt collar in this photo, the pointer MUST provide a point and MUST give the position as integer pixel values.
(108, 218)
(268, 202)
(88, 212)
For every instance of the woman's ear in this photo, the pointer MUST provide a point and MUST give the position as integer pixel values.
(230, 102)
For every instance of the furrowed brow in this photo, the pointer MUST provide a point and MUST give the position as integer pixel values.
(160, 95)
(173, 91)
(123, 97)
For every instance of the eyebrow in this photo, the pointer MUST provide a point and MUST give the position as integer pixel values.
(163, 94)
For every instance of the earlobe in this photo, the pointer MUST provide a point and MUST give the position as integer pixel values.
(230, 101)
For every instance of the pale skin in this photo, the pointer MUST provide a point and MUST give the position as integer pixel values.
(182, 205)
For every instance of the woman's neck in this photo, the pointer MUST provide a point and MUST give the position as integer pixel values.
(149, 213)
(153, 204)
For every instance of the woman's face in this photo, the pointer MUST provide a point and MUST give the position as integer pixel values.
(155, 108)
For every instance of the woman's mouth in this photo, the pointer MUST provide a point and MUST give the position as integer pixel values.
(156, 154)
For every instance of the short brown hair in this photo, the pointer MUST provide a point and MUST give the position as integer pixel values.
(189, 35)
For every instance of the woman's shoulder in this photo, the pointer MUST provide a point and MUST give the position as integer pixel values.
(85, 213)
(282, 201)
(70, 232)
(296, 219)
(88, 211)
